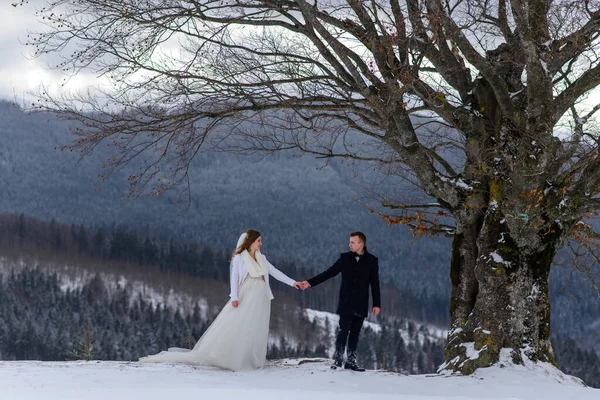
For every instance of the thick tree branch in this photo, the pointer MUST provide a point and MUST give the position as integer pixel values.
(483, 66)
(569, 47)
(567, 98)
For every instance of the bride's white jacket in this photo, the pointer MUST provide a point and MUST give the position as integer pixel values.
(239, 270)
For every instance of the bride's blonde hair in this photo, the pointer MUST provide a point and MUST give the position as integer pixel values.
(251, 236)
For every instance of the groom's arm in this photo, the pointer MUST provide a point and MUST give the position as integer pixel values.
(375, 292)
(328, 274)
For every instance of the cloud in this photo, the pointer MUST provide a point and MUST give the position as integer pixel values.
(20, 73)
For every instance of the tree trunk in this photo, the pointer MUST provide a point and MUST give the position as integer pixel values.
(500, 304)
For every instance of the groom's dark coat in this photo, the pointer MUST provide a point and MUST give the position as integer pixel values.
(356, 278)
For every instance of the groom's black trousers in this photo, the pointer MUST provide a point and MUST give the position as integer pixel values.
(348, 331)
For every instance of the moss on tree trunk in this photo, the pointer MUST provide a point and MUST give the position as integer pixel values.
(500, 300)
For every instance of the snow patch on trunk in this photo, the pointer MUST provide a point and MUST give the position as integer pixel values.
(497, 258)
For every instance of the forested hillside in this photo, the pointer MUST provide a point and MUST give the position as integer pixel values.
(147, 255)
(67, 292)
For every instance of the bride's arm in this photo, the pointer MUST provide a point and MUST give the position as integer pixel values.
(277, 274)
(235, 274)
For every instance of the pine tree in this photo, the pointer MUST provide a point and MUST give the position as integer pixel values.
(85, 346)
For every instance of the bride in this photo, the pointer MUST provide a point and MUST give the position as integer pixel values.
(237, 339)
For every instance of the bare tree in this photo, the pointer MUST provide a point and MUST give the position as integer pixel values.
(480, 104)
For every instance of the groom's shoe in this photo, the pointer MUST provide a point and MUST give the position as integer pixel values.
(336, 364)
(351, 363)
(338, 358)
(353, 366)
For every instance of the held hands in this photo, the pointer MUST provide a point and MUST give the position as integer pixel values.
(235, 303)
(301, 285)
(376, 311)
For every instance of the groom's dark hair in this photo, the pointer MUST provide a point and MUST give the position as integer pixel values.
(361, 236)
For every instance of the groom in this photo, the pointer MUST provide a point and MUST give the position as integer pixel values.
(359, 269)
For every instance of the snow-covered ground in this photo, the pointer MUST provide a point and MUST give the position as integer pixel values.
(286, 379)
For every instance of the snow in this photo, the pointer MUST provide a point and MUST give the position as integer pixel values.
(535, 291)
(497, 258)
(502, 238)
(513, 94)
(487, 332)
(459, 183)
(472, 354)
(562, 204)
(291, 379)
(462, 185)
(455, 331)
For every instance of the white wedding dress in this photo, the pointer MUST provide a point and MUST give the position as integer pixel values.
(237, 339)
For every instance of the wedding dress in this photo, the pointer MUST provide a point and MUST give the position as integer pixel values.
(237, 339)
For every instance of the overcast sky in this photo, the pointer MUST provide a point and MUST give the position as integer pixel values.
(19, 73)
